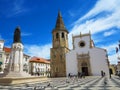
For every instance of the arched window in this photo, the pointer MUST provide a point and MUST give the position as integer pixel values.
(62, 35)
(57, 35)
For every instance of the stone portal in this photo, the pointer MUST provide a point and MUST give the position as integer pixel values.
(84, 64)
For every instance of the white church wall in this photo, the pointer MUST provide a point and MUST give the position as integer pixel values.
(82, 51)
(71, 63)
(98, 56)
(77, 40)
(98, 61)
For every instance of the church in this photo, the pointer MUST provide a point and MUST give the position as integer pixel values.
(84, 57)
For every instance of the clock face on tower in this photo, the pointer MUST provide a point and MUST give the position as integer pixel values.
(81, 43)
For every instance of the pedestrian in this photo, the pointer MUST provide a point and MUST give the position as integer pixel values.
(78, 74)
(69, 76)
(83, 74)
(102, 74)
(110, 72)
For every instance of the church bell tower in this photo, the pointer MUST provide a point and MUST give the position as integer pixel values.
(59, 48)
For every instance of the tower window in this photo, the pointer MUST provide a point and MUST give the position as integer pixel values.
(57, 35)
(62, 35)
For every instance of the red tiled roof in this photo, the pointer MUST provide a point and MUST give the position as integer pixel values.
(6, 49)
(39, 60)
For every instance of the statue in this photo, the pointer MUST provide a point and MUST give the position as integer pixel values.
(17, 37)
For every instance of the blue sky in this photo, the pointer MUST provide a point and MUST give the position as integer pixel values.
(37, 19)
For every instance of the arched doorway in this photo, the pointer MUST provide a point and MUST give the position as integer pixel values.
(84, 68)
(84, 64)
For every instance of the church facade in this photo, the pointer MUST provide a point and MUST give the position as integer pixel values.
(86, 58)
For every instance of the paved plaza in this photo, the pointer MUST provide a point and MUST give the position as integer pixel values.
(87, 83)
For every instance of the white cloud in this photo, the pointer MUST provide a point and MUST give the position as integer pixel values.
(25, 34)
(102, 5)
(37, 50)
(71, 13)
(112, 51)
(110, 48)
(113, 59)
(101, 23)
(16, 7)
(111, 9)
(98, 25)
(109, 33)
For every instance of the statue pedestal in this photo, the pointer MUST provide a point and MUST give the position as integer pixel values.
(18, 74)
(21, 80)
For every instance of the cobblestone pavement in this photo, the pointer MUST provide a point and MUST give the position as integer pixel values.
(87, 83)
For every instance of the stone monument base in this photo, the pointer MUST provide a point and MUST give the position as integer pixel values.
(12, 78)
(21, 80)
(17, 74)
